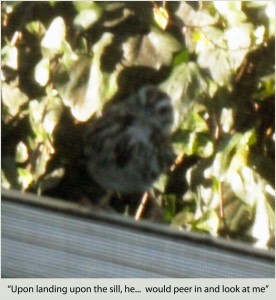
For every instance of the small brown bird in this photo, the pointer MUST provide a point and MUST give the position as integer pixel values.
(128, 147)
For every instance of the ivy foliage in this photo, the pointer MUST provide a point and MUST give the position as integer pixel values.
(63, 61)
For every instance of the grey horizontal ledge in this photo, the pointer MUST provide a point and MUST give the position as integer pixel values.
(49, 238)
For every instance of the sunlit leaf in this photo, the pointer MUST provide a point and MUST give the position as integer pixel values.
(161, 16)
(238, 149)
(261, 227)
(205, 147)
(42, 71)
(86, 5)
(186, 86)
(169, 203)
(161, 182)
(53, 40)
(209, 222)
(231, 11)
(54, 109)
(259, 34)
(158, 43)
(40, 165)
(270, 9)
(195, 123)
(254, 186)
(9, 56)
(13, 98)
(89, 13)
(10, 6)
(36, 28)
(21, 152)
(222, 52)
(192, 17)
(217, 62)
(194, 22)
(226, 119)
(183, 219)
(239, 42)
(87, 87)
(72, 84)
(25, 178)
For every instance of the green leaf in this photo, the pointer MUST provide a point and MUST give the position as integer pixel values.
(237, 184)
(9, 55)
(216, 61)
(224, 51)
(21, 152)
(161, 17)
(183, 219)
(270, 9)
(161, 182)
(86, 5)
(25, 178)
(208, 222)
(42, 71)
(87, 87)
(182, 57)
(233, 155)
(205, 147)
(36, 110)
(192, 17)
(36, 28)
(238, 38)
(161, 46)
(226, 119)
(195, 123)
(261, 228)
(169, 206)
(13, 98)
(186, 86)
(40, 163)
(192, 143)
(231, 11)
(89, 13)
(54, 38)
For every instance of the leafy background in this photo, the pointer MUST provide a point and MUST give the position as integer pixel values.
(63, 61)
